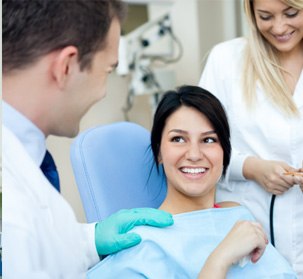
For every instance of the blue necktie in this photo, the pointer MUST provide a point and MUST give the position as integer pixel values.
(49, 169)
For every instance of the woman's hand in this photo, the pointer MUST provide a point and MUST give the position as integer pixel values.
(269, 174)
(245, 239)
(298, 177)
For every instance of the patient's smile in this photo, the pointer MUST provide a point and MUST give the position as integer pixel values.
(193, 170)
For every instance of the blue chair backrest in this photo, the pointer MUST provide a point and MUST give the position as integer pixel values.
(114, 169)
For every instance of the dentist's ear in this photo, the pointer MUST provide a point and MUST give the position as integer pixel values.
(64, 64)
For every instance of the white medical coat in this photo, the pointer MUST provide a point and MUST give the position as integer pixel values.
(41, 237)
(263, 132)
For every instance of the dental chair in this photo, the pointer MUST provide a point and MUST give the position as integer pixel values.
(114, 169)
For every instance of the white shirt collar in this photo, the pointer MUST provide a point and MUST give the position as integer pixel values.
(26, 131)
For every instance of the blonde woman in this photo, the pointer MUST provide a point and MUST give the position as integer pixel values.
(259, 80)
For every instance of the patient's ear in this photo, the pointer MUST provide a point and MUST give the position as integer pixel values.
(159, 158)
(64, 65)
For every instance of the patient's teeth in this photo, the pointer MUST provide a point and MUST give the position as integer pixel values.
(193, 170)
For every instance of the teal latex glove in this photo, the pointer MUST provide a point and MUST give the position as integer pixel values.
(111, 234)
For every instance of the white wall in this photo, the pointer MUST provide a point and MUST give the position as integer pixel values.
(199, 24)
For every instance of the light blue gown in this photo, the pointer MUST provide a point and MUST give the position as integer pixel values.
(180, 251)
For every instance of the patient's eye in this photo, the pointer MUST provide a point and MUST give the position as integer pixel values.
(178, 139)
(210, 140)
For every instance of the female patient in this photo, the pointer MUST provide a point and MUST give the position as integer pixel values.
(190, 138)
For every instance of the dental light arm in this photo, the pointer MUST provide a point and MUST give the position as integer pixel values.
(137, 57)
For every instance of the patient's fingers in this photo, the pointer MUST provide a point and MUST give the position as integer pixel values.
(257, 254)
(261, 231)
(260, 243)
(246, 238)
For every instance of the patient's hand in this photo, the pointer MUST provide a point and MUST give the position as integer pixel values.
(246, 238)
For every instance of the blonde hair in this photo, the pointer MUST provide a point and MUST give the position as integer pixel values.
(262, 64)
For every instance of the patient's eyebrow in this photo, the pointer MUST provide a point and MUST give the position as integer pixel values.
(179, 131)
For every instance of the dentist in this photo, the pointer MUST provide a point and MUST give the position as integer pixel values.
(56, 59)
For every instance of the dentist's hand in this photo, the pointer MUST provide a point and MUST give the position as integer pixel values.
(111, 234)
(300, 179)
(297, 176)
(269, 174)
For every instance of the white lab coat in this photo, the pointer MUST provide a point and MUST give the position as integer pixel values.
(264, 132)
(41, 237)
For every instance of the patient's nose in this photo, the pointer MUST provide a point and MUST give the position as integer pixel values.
(194, 152)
